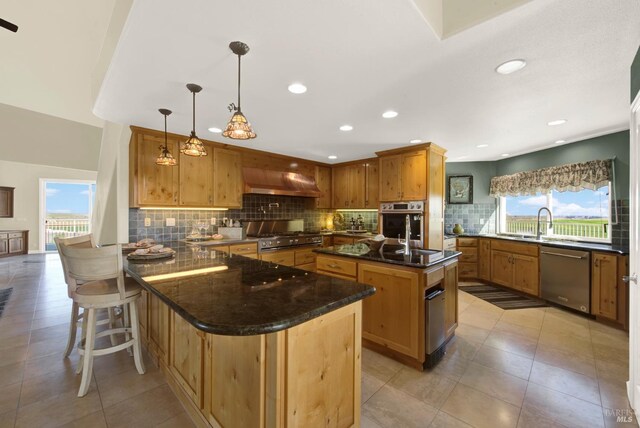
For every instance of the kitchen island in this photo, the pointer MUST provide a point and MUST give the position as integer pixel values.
(394, 321)
(245, 342)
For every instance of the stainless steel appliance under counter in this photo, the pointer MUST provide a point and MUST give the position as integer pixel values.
(565, 277)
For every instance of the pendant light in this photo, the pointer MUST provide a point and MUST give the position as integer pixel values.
(193, 146)
(165, 158)
(238, 127)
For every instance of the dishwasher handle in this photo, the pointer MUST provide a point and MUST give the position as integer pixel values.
(550, 253)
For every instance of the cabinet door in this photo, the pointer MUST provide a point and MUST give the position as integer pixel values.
(391, 316)
(196, 180)
(501, 268)
(414, 176)
(484, 259)
(323, 180)
(525, 274)
(227, 178)
(356, 186)
(604, 285)
(187, 347)
(158, 327)
(343, 240)
(157, 185)
(4, 247)
(143, 316)
(390, 178)
(372, 189)
(340, 177)
(285, 258)
(451, 298)
(16, 245)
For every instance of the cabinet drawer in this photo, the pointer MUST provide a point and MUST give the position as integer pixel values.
(469, 254)
(342, 240)
(15, 235)
(286, 258)
(515, 247)
(467, 242)
(339, 266)
(243, 249)
(311, 267)
(468, 270)
(450, 244)
(4, 236)
(304, 257)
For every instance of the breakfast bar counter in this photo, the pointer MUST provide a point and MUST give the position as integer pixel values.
(245, 342)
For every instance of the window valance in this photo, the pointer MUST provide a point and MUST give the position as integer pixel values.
(575, 176)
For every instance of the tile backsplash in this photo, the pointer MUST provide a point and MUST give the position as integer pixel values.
(254, 207)
(620, 231)
(474, 218)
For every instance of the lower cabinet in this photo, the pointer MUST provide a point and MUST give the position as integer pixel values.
(186, 357)
(451, 298)
(516, 265)
(14, 242)
(609, 294)
(391, 316)
(158, 327)
(303, 258)
(286, 258)
(484, 259)
(343, 240)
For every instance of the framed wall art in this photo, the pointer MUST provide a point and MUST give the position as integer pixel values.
(461, 189)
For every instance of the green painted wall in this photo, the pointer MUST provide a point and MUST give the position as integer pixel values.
(482, 173)
(603, 147)
(635, 75)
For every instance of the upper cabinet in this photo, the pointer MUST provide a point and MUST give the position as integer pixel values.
(403, 177)
(214, 180)
(372, 184)
(355, 186)
(323, 180)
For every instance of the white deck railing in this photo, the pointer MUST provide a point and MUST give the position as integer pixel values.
(64, 228)
(579, 230)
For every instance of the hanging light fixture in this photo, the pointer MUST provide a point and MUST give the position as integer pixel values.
(238, 127)
(193, 146)
(165, 158)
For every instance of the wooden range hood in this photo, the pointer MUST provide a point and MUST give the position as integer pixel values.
(270, 182)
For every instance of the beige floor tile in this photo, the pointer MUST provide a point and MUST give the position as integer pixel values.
(530, 332)
(561, 408)
(92, 420)
(14, 355)
(505, 361)
(8, 419)
(11, 373)
(379, 366)
(444, 420)
(524, 319)
(566, 316)
(612, 370)
(59, 409)
(383, 409)
(528, 419)
(57, 331)
(462, 347)
(122, 386)
(479, 409)
(51, 384)
(568, 382)
(427, 386)
(512, 343)
(147, 409)
(50, 321)
(482, 305)
(50, 364)
(613, 394)
(9, 397)
(578, 327)
(565, 359)
(567, 342)
(471, 332)
(479, 319)
(451, 366)
(55, 345)
(495, 383)
(370, 385)
(180, 421)
(366, 422)
(13, 330)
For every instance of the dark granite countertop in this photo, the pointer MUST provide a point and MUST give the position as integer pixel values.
(420, 259)
(572, 245)
(240, 296)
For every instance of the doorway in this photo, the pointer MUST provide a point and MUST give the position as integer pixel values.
(633, 386)
(66, 207)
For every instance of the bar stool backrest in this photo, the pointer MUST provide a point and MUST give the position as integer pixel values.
(83, 241)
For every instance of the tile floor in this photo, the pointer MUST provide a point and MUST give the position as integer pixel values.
(525, 368)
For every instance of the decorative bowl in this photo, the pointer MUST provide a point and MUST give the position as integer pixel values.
(373, 244)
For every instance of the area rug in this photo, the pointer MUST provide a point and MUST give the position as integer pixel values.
(4, 298)
(502, 298)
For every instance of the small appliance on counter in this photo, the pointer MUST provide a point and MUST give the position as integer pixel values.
(233, 232)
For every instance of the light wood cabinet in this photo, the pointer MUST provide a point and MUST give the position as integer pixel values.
(403, 177)
(391, 316)
(336, 266)
(196, 179)
(526, 274)
(484, 259)
(604, 285)
(451, 297)
(390, 187)
(156, 185)
(469, 258)
(501, 268)
(187, 357)
(323, 180)
(356, 186)
(158, 328)
(516, 265)
(143, 316)
(372, 184)
(340, 185)
(343, 240)
(247, 250)
(280, 257)
(227, 178)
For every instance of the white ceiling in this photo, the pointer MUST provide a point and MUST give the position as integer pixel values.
(362, 57)
(47, 66)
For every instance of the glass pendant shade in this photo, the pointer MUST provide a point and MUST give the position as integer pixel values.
(193, 146)
(165, 158)
(239, 128)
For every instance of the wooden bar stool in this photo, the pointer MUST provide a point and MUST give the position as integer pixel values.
(100, 283)
(84, 241)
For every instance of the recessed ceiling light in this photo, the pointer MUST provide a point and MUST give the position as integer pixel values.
(415, 141)
(389, 114)
(297, 88)
(215, 130)
(504, 155)
(511, 66)
(482, 146)
(346, 128)
(333, 157)
(557, 122)
(560, 141)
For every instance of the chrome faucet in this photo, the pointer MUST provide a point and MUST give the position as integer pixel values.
(407, 235)
(538, 222)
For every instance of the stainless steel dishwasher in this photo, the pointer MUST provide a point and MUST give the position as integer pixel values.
(434, 308)
(565, 277)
